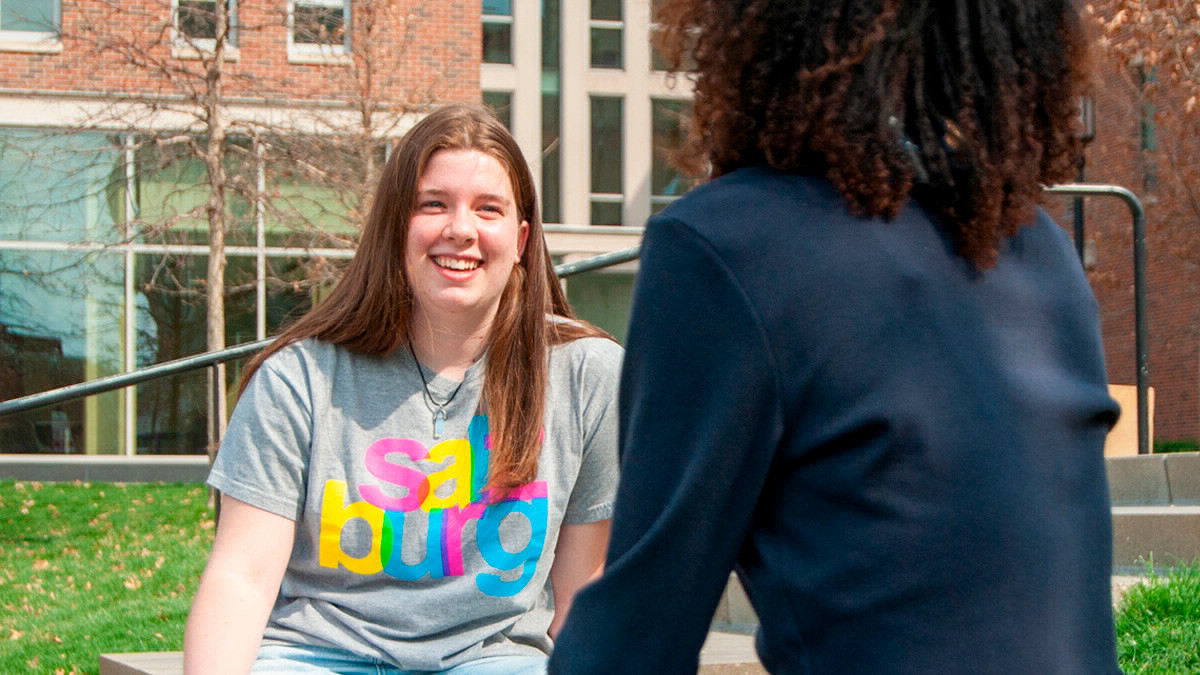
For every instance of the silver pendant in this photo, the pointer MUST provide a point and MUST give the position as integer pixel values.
(438, 418)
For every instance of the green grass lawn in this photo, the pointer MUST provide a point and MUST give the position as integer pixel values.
(91, 568)
(1158, 625)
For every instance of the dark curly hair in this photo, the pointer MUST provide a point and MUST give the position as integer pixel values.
(968, 106)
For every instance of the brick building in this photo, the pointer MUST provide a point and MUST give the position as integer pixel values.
(1138, 145)
(105, 115)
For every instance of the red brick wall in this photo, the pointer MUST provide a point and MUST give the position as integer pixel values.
(1172, 241)
(433, 57)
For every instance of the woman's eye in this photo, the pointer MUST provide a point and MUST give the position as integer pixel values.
(432, 204)
(491, 208)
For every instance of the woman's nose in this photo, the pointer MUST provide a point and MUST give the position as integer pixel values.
(461, 225)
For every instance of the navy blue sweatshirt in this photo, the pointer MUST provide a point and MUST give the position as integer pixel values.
(901, 457)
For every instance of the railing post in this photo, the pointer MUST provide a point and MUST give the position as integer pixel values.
(1141, 330)
(214, 429)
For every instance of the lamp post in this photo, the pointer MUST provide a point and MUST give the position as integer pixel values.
(1087, 118)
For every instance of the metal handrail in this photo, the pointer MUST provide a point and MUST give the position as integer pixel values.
(113, 382)
(564, 270)
(1141, 330)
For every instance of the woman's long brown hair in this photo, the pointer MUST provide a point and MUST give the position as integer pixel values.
(370, 309)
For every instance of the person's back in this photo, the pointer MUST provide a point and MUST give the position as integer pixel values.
(935, 496)
(891, 424)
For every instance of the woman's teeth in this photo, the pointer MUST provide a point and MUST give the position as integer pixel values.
(456, 263)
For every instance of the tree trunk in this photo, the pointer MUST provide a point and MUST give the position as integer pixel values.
(214, 155)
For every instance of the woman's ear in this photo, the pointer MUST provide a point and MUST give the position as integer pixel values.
(522, 237)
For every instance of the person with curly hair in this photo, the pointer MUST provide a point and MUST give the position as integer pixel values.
(864, 368)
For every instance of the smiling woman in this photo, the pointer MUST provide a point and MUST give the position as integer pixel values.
(441, 428)
(463, 240)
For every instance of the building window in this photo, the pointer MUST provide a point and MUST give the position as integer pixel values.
(65, 314)
(320, 26)
(551, 158)
(196, 22)
(607, 160)
(497, 31)
(666, 183)
(657, 60)
(29, 20)
(551, 113)
(500, 103)
(607, 27)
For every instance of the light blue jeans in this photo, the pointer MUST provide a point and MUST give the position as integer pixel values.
(311, 660)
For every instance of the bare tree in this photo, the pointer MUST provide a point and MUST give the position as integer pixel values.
(1155, 46)
(170, 78)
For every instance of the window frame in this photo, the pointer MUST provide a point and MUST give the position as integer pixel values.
(597, 197)
(182, 41)
(318, 52)
(607, 26)
(487, 18)
(38, 40)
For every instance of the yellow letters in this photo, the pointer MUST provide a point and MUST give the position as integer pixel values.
(334, 515)
(459, 472)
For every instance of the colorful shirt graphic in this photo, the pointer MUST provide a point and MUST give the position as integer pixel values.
(447, 516)
(399, 553)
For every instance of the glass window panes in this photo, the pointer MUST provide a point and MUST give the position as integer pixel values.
(172, 192)
(497, 7)
(497, 31)
(551, 113)
(500, 103)
(60, 187)
(60, 323)
(666, 183)
(172, 412)
(606, 144)
(606, 47)
(198, 19)
(319, 22)
(606, 213)
(40, 16)
(64, 314)
(603, 298)
(659, 62)
(550, 37)
(606, 10)
(606, 30)
(497, 42)
(551, 159)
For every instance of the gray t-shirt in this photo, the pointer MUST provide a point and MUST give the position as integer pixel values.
(398, 554)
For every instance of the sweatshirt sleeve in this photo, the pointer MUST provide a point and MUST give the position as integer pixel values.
(699, 423)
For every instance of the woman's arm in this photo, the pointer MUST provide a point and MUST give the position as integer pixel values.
(700, 421)
(238, 589)
(578, 558)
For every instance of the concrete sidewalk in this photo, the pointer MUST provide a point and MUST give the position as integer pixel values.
(729, 654)
(723, 654)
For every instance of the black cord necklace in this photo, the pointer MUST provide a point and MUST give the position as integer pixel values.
(438, 408)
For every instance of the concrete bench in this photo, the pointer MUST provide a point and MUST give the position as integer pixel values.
(723, 654)
(729, 649)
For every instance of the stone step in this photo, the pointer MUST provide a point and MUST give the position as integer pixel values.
(1167, 535)
(1155, 480)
